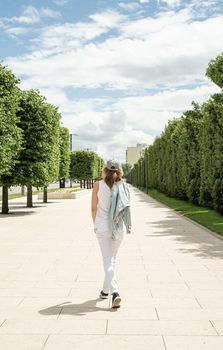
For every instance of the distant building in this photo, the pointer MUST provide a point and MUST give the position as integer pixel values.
(134, 153)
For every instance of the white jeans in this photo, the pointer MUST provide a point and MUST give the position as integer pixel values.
(109, 249)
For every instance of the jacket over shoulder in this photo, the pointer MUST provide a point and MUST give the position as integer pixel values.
(120, 207)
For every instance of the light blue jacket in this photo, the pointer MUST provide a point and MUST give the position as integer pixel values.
(120, 207)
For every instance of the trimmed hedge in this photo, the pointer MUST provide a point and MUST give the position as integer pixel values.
(186, 160)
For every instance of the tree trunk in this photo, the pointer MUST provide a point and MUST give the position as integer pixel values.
(45, 194)
(70, 183)
(22, 190)
(84, 183)
(62, 183)
(81, 183)
(5, 203)
(29, 196)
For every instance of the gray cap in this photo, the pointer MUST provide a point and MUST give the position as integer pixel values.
(113, 164)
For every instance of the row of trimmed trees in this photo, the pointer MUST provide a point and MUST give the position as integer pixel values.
(34, 146)
(186, 160)
(86, 166)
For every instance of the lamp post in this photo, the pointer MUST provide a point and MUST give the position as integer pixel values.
(71, 140)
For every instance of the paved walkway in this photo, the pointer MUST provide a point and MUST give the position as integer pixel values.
(170, 274)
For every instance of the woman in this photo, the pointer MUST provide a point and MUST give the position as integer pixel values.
(110, 208)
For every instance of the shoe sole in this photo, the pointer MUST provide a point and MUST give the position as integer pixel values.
(116, 302)
(103, 297)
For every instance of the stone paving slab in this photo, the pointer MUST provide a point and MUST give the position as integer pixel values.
(22, 341)
(169, 270)
(194, 343)
(102, 342)
(48, 326)
(161, 327)
(193, 314)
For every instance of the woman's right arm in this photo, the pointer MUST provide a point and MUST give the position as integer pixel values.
(94, 200)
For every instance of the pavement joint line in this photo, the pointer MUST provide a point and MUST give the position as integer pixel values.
(179, 273)
(59, 313)
(157, 313)
(147, 278)
(187, 285)
(69, 293)
(206, 267)
(214, 327)
(106, 328)
(45, 341)
(75, 280)
(150, 292)
(198, 302)
(164, 342)
(218, 278)
(21, 301)
(3, 322)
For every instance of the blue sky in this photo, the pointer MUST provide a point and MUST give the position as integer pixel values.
(118, 70)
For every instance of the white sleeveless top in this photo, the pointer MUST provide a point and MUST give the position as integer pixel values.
(101, 224)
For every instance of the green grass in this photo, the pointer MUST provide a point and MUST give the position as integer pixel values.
(207, 217)
(65, 190)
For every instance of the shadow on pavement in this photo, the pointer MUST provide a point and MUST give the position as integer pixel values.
(205, 245)
(17, 209)
(143, 197)
(75, 309)
(16, 214)
(28, 210)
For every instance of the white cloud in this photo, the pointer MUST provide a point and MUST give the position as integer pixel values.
(47, 12)
(55, 39)
(109, 133)
(171, 3)
(15, 31)
(204, 3)
(32, 15)
(169, 50)
(60, 2)
(108, 19)
(129, 6)
(156, 109)
(68, 36)
(144, 1)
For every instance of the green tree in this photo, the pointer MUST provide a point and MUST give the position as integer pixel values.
(64, 155)
(53, 159)
(39, 158)
(211, 189)
(215, 70)
(126, 167)
(10, 133)
(85, 166)
(193, 120)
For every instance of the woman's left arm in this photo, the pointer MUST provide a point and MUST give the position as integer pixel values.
(94, 200)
